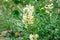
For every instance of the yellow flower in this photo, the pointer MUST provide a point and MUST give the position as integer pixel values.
(33, 36)
(48, 7)
(47, 11)
(28, 17)
(28, 9)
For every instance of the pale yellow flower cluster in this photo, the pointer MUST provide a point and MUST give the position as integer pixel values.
(28, 9)
(48, 7)
(28, 17)
(33, 36)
